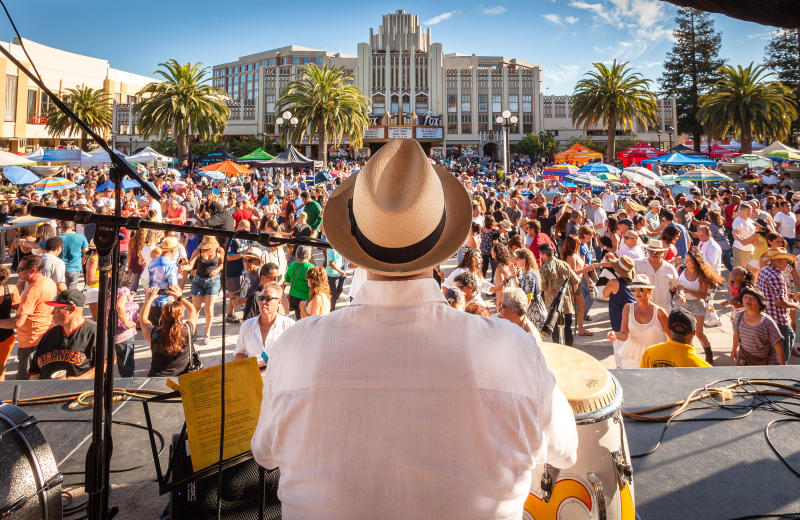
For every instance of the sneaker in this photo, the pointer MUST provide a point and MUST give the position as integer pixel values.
(202, 340)
(231, 318)
(587, 318)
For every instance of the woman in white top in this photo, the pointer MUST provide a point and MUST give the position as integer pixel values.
(644, 324)
(472, 262)
(693, 289)
(319, 295)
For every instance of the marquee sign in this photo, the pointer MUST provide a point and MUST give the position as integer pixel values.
(375, 119)
(429, 119)
(400, 132)
(374, 133)
(429, 132)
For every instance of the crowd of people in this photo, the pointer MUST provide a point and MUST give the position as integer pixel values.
(648, 252)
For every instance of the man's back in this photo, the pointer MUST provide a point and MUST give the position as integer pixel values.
(401, 405)
(671, 354)
(72, 251)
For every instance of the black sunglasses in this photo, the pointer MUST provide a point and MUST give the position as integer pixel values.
(268, 298)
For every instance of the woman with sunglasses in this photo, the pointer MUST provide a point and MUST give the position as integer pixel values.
(258, 334)
(643, 324)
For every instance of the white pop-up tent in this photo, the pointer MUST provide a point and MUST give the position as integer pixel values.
(149, 155)
(776, 146)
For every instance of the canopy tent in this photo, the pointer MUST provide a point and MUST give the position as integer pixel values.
(149, 155)
(229, 168)
(256, 155)
(19, 175)
(578, 154)
(682, 148)
(719, 152)
(638, 153)
(289, 158)
(102, 157)
(783, 154)
(10, 159)
(775, 146)
(733, 144)
(36, 155)
(752, 161)
(679, 159)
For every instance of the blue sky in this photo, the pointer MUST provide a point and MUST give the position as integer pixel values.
(563, 36)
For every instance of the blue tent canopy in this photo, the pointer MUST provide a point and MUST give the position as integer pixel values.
(679, 159)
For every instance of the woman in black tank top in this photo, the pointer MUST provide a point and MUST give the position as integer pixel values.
(206, 265)
(9, 296)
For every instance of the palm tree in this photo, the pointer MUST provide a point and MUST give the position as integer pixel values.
(93, 106)
(617, 96)
(184, 104)
(743, 100)
(325, 104)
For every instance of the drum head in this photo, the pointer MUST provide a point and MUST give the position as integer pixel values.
(585, 382)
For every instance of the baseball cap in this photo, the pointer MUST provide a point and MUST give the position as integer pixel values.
(68, 297)
(681, 322)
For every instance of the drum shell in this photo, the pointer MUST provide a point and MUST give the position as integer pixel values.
(21, 450)
(600, 434)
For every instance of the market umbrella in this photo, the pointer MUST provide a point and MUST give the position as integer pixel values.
(597, 168)
(642, 176)
(702, 175)
(560, 170)
(784, 154)
(752, 161)
(127, 184)
(11, 159)
(611, 177)
(215, 175)
(52, 184)
(229, 168)
(585, 179)
(19, 175)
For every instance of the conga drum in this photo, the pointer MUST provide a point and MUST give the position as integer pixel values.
(600, 484)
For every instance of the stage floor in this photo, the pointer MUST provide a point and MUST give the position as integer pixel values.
(706, 470)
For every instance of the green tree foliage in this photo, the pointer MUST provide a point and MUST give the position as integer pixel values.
(184, 104)
(93, 106)
(327, 105)
(538, 145)
(783, 57)
(691, 67)
(745, 101)
(166, 145)
(615, 96)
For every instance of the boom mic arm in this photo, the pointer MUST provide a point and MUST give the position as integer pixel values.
(119, 162)
(554, 314)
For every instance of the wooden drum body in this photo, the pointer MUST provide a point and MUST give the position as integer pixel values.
(600, 484)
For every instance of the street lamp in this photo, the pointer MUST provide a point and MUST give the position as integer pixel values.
(659, 138)
(287, 119)
(506, 121)
(670, 131)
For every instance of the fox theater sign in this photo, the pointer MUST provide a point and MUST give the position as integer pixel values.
(425, 128)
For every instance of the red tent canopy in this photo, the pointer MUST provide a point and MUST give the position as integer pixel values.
(638, 153)
(718, 151)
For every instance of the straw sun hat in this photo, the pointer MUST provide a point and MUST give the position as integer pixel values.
(399, 215)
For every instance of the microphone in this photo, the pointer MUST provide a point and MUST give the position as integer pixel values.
(554, 313)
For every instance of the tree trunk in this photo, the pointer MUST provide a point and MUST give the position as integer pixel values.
(612, 137)
(182, 141)
(747, 142)
(84, 141)
(323, 144)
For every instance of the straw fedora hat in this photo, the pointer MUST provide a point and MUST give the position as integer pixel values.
(778, 253)
(170, 243)
(624, 266)
(641, 281)
(208, 242)
(399, 215)
(656, 245)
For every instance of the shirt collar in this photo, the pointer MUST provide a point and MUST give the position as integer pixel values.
(402, 293)
(678, 344)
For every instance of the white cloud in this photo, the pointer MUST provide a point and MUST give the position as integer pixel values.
(492, 10)
(766, 34)
(440, 18)
(565, 76)
(647, 22)
(553, 18)
(571, 19)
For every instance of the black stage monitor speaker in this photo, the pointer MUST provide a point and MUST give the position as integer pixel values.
(30, 484)
(241, 493)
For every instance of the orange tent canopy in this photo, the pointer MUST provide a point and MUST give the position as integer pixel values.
(229, 168)
(577, 154)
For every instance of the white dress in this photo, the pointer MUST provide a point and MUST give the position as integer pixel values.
(640, 337)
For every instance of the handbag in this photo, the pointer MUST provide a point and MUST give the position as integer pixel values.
(195, 363)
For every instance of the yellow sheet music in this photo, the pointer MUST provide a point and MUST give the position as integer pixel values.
(200, 392)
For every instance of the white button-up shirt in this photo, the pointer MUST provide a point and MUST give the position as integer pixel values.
(712, 252)
(399, 406)
(664, 279)
(250, 341)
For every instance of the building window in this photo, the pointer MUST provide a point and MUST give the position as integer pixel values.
(451, 103)
(483, 118)
(483, 103)
(31, 105)
(296, 60)
(466, 117)
(11, 98)
(465, 102)
(270, 103)
(513, 103)
(249, 66)
(272, 62)
(132, 99)
(452, 118)
(452, 128)
(44, 104)
(496, 103)
(306, 61)
(318, 61)
(527, 106)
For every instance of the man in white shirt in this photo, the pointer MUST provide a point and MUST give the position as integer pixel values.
(54, 267)
(629, 246)
(787, 224)
(258, 334)
(709, 247)
(577, 199)
(154, 205)
(599, 218)
(396, 405)
(743, 229)
(609, 200)
(661, 274)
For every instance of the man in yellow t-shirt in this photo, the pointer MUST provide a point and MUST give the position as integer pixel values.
(678, 351)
